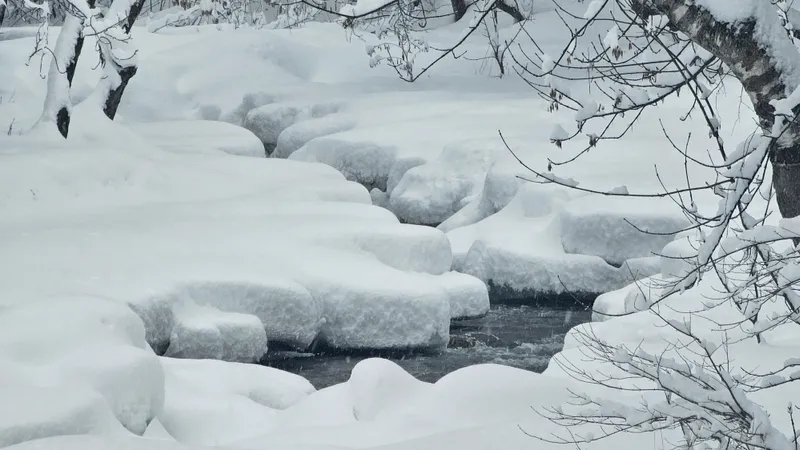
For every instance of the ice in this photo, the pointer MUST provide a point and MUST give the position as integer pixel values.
(204, 332)
(268, 121)
(618, 228)
(198, 136)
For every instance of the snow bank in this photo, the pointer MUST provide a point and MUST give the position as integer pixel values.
(468, 295)
(99, 377)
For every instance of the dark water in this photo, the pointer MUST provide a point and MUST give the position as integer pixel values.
(518, 336)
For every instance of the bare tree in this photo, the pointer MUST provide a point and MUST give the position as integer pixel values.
(635, 54)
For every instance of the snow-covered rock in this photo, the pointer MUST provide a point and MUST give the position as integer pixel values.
(619, 228)
(287, 311)
(204, 332)
(299, 134)
(269, 121)
(362, 160)
(430, 193)
(469, 296)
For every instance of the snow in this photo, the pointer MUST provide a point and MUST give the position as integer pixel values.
(266, 386)
(199, 136)
(144, 236)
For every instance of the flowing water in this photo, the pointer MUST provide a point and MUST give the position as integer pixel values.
(518, 336)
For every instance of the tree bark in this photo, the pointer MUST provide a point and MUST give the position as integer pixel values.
(2, 12)
(459, 9)
(754, 63)
(114, 96)
(511, 10)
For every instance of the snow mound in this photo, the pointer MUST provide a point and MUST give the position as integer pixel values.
(430, 193)
(361, 160)
(73, 363)
(301, 133)
(194, 415)
(619, 228)
(368, 387)
(195, 136)
(103, 443)
(29, 412)
(266, 386)
(203, 332)
(268, 121)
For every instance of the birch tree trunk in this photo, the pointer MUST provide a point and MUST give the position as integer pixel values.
(761, 55)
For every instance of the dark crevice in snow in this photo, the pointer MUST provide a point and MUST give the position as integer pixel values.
(518, 336)
(505, 295)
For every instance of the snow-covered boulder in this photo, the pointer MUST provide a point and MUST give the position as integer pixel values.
(301, 133)
(430, 193)
(360, 159)
(286, 310)
(679, 257)
(268, 121)
(469, 296)
(619, 228)
(368, 382)
(498, 189)
(518, 275)
(204, 332)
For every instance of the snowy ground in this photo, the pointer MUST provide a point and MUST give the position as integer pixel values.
(219, 251)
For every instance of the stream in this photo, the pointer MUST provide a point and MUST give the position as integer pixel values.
(520, 336)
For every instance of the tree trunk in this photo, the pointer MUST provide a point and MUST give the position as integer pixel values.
(57, 103)
(511, 10)
(2, 12)
(459, 9)
(114, 96)
(752, 58)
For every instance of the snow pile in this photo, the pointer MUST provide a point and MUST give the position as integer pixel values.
(299, 134)
(75, 365)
